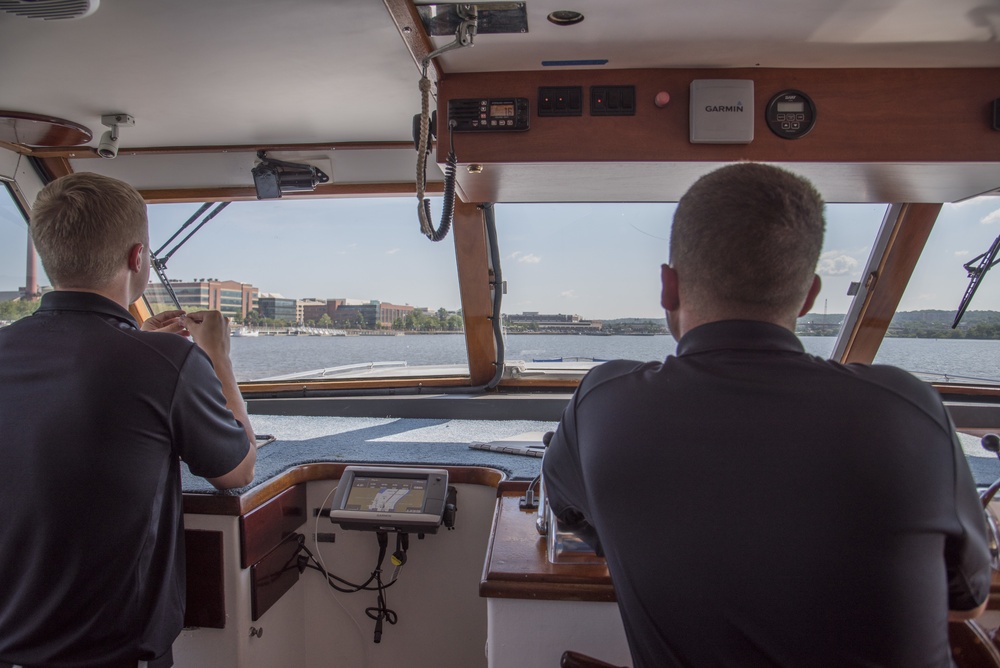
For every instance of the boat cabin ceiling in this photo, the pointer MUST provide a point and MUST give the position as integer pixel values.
(336, 84)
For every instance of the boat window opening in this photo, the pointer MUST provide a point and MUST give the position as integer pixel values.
(318, 289)
(22, 278)
(574, 303)
(920, 337)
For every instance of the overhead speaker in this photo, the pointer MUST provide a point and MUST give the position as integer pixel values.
(50, 10)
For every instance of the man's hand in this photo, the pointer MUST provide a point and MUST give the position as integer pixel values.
(170, 322)
(210, 330)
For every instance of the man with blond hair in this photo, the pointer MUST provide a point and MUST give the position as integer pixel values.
(759, 506)
(97, 415)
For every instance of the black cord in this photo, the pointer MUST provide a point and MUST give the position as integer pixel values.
(448, 212)
(380, 612)
(332, 579)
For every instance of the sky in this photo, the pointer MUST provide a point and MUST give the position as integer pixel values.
(599, 261)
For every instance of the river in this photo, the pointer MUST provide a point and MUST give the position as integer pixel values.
(260, 357)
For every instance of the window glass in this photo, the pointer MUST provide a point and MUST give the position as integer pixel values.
(17, 298)
(317, 288)
(583, 280)
(920, 337)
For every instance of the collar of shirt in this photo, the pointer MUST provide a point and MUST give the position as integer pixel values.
(68, 300)
(738, 335)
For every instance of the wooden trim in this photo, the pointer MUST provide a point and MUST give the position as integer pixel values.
(206, 584)
(926, 115)
(906, 243)
(264, 527)
(140, 310)
(517, 566)
(311, 386)
(249, 193)
(469, 229)
(55, 167)
(991, 391)
(82, 152)
(415, 38)
(272, 576)
(234, 506)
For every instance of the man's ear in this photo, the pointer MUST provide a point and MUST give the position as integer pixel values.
(814, 289)
(670, 296)
(135, 258)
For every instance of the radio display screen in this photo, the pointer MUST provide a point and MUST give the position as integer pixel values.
(505, 110)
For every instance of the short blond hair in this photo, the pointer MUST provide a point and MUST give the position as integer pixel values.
(84, 225)
(746, 239)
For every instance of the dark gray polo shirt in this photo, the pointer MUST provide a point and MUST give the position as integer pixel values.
(95, 417)
(759, 506)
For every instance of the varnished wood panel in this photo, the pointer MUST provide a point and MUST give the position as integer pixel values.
(249, 193)
(206, 589)
(882, 135)
(273, 575)
(264, 527)
(516, 563)
(866, 115)
(905, 246)
(474, 283)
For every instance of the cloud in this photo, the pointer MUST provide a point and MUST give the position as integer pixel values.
(525, 258)
(990, 218)
(568, 294)
(836, 263)
(392, 251)
(961, 253)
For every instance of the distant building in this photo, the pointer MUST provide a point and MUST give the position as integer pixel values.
(277, 307)
(344, 312)
(559, 321)
(233, 298)
(305, 309)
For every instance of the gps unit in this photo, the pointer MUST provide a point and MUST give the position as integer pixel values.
(384, 498)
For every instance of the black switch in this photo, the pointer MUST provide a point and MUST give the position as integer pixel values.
(560, 101)
(612, 100)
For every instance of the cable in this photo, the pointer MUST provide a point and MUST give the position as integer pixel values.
(381, 611)
(464, 36)
(361, 633)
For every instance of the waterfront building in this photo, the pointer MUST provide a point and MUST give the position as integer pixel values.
(233, 298)
(559, 322)
(276, 307)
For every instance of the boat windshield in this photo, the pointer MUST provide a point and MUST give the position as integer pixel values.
(920, 337)
(583, 280)
(317, 288)
(324, 289)
(17, 263)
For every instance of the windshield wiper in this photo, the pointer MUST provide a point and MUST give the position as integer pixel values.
(160, 264)
(986, 262)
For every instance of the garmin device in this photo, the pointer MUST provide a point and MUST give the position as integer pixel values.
(385, 498)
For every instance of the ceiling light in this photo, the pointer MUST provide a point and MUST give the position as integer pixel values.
(565, 17)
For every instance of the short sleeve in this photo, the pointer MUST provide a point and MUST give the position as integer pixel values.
(206, 435)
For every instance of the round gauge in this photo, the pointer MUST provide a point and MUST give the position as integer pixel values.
(790, 114)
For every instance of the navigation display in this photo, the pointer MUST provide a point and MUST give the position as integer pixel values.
(387, 495)
(390, 498)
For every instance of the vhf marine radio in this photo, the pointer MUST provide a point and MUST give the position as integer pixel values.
(489, 114)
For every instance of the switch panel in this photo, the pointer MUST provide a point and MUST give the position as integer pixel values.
(564, 101)
(612, 100)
